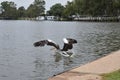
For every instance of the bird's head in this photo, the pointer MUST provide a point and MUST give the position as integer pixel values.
(74, 41)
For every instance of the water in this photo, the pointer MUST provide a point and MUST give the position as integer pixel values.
(20, 60)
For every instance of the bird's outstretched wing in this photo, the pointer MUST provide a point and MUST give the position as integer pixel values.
(46, 42)
(68, 43)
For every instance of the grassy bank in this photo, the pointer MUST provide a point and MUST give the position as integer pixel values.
(112, 76)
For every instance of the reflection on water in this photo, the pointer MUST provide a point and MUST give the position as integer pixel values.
(58, 57)
(19, 57)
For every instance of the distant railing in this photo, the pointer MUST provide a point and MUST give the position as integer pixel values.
(97, 18)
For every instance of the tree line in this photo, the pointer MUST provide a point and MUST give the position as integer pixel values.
(8, 9)
(75, 7)
(87, 8)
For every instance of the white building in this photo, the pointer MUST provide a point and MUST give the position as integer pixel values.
(50, 17)
(40, 18)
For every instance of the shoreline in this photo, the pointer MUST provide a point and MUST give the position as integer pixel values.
(92, 70)
(81, 19)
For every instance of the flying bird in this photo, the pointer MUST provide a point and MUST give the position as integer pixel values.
(68, 45)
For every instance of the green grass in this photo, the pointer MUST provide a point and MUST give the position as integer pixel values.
(112, 76)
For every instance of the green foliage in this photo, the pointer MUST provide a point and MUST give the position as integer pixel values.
(56, 10)
(21, 12)
(69, 9)
(36, 9)
(94, 7)
(8, 10)
(112, 76)
(76, 7)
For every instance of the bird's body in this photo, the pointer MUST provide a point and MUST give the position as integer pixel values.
(68, 45)
(68, 53)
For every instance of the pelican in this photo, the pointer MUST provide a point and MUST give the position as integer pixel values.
(68, 45)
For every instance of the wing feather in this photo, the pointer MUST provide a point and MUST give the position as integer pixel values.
(46, 42)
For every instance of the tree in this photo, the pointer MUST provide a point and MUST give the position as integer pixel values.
(30, 11)
(117, 7)
(56, 10)
(21, 11)
(36, 9)
(78, 6)
(1, 9)
(40, 5)
(69, 9)
(10, 10)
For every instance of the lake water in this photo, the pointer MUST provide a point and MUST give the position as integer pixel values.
(20, 60)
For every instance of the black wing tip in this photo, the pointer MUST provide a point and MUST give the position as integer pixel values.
(36, 44)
